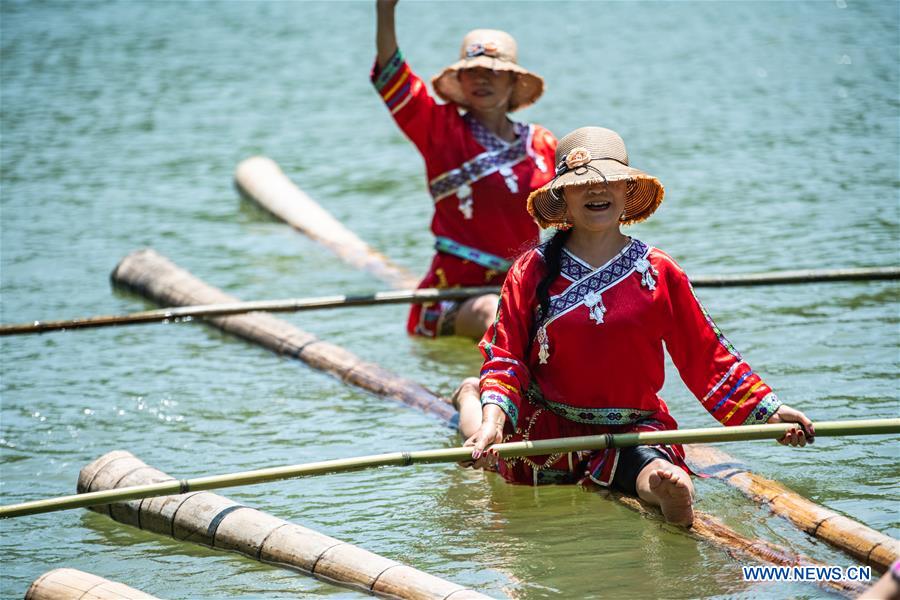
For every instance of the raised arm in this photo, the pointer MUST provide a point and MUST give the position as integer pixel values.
(385, 32)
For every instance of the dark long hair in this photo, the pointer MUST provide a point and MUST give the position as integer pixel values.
(553, 261)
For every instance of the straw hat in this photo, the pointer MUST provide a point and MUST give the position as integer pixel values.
(491, 49)
(594, 155)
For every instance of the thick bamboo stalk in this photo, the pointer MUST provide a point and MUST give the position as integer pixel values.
(72, 584)
(154, 276)
(448, 455)
(216, 521)
(173, 313)
(260, 179)
(867, 545)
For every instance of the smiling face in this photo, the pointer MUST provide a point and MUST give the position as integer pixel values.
(485, 89)
(596, 206)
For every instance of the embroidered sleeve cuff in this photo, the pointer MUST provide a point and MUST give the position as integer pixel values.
(381, 76)
(512, 413)
(765, 409)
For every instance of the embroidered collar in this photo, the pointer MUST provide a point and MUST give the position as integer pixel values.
(488, 140)
(586, 280)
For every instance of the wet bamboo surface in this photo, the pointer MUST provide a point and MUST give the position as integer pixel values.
(72, 584)
(260, 179)
(154, 276)
(212, 520)
(863, 543)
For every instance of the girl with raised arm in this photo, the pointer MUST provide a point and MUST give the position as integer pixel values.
(480, 165)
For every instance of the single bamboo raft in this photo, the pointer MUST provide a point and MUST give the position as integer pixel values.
(260, 179)
(72, 584)
(212, 520)
(154, 276)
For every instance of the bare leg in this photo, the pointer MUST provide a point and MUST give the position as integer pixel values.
(663, 484)
(476, 315)
(467, 401)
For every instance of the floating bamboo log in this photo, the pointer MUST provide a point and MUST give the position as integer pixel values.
(72, 584)
(154, 276)
(770, 431)
(260, 179)
(215, 521)
(867, 545)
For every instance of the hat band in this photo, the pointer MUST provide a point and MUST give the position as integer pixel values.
(562, 167)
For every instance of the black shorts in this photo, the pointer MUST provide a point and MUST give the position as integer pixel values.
(631, 461)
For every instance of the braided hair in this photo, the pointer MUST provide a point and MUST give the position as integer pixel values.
(553, 261)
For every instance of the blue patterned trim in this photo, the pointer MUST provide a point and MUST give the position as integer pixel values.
(712, 324)
(486, 163)
(486, 138)
(731, 392)
(603, 278)
(596, 416)
(572, 269)
(512, 413)
(389, 70)
(764, 410)
(479, 257)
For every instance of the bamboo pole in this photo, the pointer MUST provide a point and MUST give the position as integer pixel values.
(155, 277)
(449, 455)
(796, 277)
(72, 584)
(147, 273)
(211, 520)
(174, 313)
(260, 179)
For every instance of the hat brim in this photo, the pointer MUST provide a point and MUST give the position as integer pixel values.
(528, 87)
(645, 193)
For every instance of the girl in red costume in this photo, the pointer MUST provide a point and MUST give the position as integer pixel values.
(480, 165)
(577, 344)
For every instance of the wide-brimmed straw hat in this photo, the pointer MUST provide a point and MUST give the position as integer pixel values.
(491, 49)
(594, 155)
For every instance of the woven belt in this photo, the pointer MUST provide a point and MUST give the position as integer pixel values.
(479, 257)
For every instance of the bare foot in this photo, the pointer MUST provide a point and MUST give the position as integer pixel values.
(466, 390)
(673, 490)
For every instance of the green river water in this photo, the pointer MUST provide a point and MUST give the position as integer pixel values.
(773, 125)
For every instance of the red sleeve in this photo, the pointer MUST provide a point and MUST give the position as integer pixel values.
(709, 365)
(406, 96)
(505, 346)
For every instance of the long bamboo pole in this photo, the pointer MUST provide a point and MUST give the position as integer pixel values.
(153, 276)
(418, 296)
(448, 455)
(412, 296)
(795, 277)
